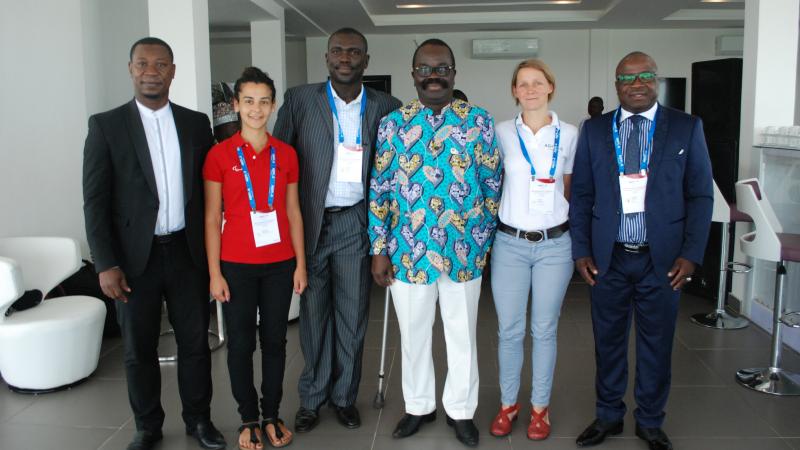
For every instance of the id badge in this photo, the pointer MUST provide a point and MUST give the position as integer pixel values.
(265, 228)
(632, 189)
(541, 195)
(348, 163)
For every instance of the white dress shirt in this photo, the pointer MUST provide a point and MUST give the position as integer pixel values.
(165, 153)
(344, 193)
(514, 210)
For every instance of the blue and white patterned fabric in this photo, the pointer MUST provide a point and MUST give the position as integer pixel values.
(434, 191)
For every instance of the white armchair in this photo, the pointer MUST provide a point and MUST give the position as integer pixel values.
(57, 343)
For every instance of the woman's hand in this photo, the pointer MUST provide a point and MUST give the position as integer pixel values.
(300, 280)
(219, 289)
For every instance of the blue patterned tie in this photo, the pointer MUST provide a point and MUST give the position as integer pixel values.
(633, 148)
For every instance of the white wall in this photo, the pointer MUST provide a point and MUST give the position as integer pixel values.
(583, 62)
(228, 59)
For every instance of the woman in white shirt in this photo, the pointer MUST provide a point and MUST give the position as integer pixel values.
(532, 248)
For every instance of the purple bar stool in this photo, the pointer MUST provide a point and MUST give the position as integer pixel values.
(727, 215)
(768, 242)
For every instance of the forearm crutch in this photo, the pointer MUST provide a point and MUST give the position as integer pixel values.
(380, 398)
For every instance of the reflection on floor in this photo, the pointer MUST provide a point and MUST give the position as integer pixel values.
(706, 410)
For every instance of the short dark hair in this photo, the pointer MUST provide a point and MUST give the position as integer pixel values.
(436, 42)
(351, 31)
(253, 75)
(596, 99)
(151, 41)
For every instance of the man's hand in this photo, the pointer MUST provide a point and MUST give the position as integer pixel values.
(382, 271)
(587, 269)
(114, 284)
(681, 273)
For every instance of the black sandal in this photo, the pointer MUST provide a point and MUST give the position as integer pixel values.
(278, 433)
(252, 426)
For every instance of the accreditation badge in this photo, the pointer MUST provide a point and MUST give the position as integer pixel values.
(265, 228)
(632, 189)
(541, 195)
(348, 163)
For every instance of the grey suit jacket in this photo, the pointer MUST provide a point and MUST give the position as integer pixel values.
(305, 121)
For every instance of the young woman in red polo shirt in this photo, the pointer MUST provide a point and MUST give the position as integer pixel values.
(257, 258)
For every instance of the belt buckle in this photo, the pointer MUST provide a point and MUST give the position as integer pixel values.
(630, 248)
(533, 236)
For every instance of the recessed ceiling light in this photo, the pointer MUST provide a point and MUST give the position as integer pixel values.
(485, 5)
(721, 1)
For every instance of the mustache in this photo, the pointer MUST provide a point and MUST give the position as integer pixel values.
(429, 81)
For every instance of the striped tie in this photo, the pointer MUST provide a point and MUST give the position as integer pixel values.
(633, 148)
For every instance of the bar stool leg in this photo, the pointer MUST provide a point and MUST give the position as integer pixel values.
(219, 334)
(720, 319)
(773, 380)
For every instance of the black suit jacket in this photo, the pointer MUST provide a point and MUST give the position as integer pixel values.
(305, 121)
(120, 199)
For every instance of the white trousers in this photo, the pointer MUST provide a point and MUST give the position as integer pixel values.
(415, 306)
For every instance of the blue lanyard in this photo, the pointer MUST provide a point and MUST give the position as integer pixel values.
(644, 162)
(336, 114)
(556, 142)
(249, 184)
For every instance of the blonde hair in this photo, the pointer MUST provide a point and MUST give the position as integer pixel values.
(539, 65)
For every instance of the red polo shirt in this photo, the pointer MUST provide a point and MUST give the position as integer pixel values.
(222, 166)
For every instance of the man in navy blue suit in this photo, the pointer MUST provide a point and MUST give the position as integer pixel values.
(640, 212)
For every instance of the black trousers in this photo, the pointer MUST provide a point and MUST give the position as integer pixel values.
(261, 295)
(170, 276)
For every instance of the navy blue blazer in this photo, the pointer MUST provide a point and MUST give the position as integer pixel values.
(678, 201)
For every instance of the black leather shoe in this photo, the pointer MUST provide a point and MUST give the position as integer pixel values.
(655, 437)
(305, 420)
(145, 440)
(410, 424)
(207, 435)
(348, 416)
(597, 432)
(466, 432)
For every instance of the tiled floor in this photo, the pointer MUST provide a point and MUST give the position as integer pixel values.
(707, 410)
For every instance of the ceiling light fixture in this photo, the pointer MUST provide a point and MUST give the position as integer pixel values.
(485, 4)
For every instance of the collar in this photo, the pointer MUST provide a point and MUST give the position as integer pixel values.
(237, 141)
(554, 122)
(422, 108)
(356, 101)
(164, 111)
(650, 114)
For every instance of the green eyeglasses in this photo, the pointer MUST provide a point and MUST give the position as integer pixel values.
(629, 78)
(426, 71)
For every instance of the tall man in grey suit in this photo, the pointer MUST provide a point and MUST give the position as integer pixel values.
(143, 206)
(333, 126)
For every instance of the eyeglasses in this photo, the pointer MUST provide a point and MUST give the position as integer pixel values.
(426, 71)
(629, 78)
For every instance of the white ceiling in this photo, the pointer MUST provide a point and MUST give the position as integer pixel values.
(321, 17)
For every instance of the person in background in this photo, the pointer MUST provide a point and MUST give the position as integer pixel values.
(257, 259)
(639, 216)
(532, 249)
(226, 121)
(460, 95)
(594, 108)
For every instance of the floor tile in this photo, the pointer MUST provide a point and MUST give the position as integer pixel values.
(51, 437)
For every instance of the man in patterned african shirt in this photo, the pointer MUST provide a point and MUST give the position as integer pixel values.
(433, 197)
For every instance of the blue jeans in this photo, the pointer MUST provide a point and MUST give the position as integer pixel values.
(517, 267)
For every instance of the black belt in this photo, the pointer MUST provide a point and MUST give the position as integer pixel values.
(167, 238)
(536, 235)
(338, 209)
(632, 248)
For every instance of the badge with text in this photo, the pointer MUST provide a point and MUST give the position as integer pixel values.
(632, 189)
(265, 228)
(348, 163)
(541, 195)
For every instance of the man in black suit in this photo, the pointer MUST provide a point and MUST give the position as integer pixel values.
(143, 206)
(333, 126)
